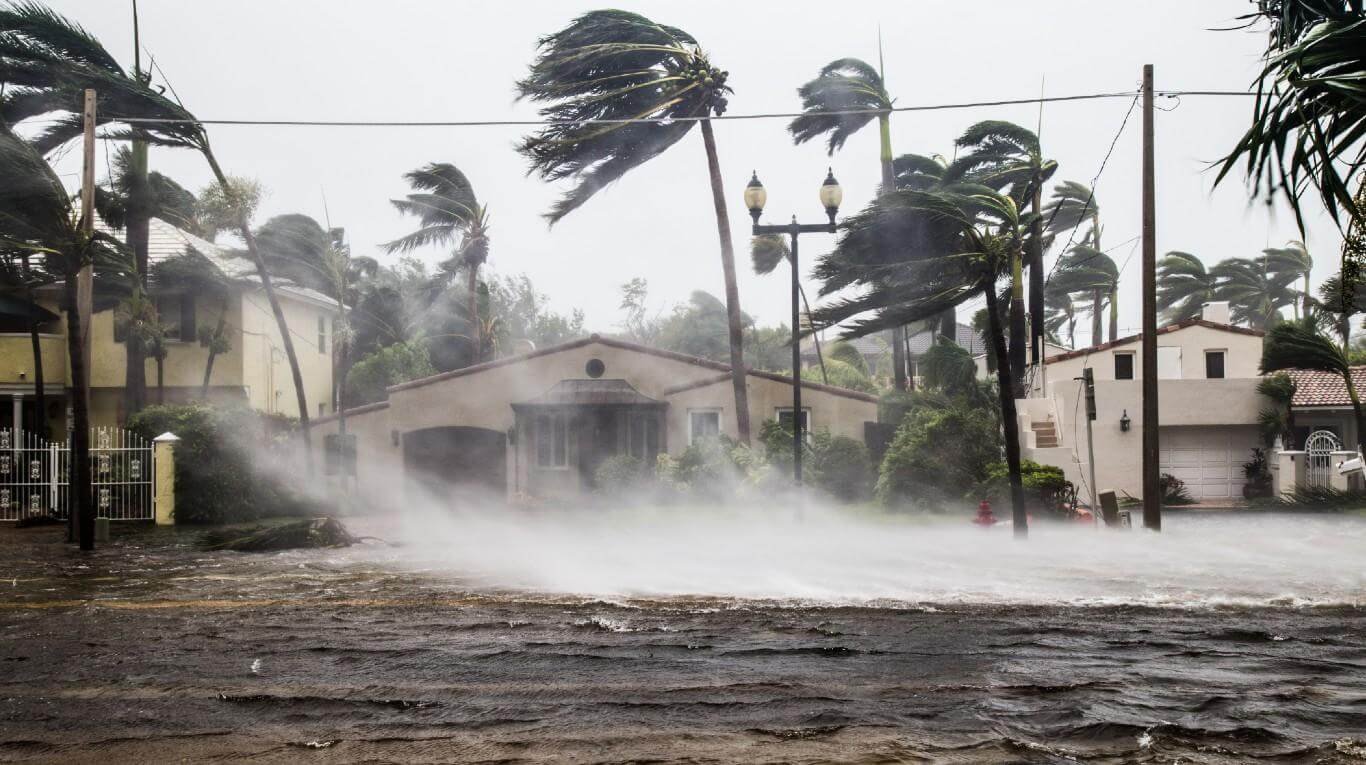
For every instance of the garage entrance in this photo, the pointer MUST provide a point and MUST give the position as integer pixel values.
(440, 460)
(1209, 459)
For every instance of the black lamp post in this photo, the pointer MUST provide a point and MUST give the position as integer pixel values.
(831, 195)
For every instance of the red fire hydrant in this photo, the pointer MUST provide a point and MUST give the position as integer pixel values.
(984, 517)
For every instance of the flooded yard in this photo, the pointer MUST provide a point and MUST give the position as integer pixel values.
(150, 650)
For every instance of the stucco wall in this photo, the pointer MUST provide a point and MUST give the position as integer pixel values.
(265, 368)
(16, 356)
(841, 415)
(1242, 357)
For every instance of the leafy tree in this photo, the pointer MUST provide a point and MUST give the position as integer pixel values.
(524, 314)
(949, 367)
(399, 363)
(614, 65)
(1298, 345)
(846, 352)
(219, 205)
(700, 327)
(844, 98)
(1184, 286)
(639, 326)
(938, 455)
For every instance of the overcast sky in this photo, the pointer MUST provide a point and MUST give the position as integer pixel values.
(411, 60)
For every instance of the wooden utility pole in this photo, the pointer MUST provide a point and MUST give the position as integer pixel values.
(1152, 491)
(82, 504)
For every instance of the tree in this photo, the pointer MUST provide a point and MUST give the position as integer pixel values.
(37, 216)
(1072, 205)
(18, 280)
(1298, 345)
(766, 252)
(1087, 271)
(846, 96)
(1338, 302)
(914, 253)
(374, 374)
(53, 61)
(450, 215)
(1062, 314)
(524, 314)
(191, 272)
(1184, 286)
(614, 65)
(1255, 294)
(1006, 157)
(638, 325)
(1292, 260)
(1310, 111)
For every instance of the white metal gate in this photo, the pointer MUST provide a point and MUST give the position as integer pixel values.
(35, 476)
(1319, 448)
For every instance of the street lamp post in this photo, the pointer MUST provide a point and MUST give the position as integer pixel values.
(830, 195)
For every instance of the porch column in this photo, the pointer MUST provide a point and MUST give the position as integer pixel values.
(163, 478)
(18, 418)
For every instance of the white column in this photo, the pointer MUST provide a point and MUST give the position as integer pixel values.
(18, 419)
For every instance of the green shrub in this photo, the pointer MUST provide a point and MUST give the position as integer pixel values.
(938, 455)
(840, 465)
(216, 481)
(846, 352)
(1174, 490)
(369, 378)
(839, 373)
(620, 474)
(1045, 486)
(894, 405)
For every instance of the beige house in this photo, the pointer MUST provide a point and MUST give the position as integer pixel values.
(539, 424)
(1208, 406)
(254, 371)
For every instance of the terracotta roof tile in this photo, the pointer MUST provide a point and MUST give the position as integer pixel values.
(1314, 388)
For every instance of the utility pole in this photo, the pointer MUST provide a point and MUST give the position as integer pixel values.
(1089, 383)
(82, 507)
(1152, 492)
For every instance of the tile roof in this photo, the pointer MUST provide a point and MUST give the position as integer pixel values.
(966, 337)
(1313, 388)
(1180, 325)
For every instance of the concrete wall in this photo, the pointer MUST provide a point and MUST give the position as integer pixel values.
(1243, 354)
(842, 416)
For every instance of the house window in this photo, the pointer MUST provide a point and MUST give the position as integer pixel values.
(176, 313)
(322, 334)
(552, 441)
(785, 420)
(642, 437)
(1124, 366)
(1214, 365)
(703, 423)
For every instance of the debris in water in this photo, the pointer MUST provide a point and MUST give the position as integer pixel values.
(314, 532)
(256, 667)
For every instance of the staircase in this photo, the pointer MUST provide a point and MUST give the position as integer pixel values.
(1045, 434)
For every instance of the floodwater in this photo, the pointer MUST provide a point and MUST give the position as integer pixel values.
(1227, 639)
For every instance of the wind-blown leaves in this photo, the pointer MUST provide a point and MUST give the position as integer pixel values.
(1184, 286)
(847, 84)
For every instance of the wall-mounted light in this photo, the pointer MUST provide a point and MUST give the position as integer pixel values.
(1124, 421)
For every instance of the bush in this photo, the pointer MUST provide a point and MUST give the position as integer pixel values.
(620, 474)
(840, 466)
(709, 468)
(369, 379)
(1046, 487)
(938, 455)
(841, 374)
(216, 481)
(894, 405)
(1174, 490)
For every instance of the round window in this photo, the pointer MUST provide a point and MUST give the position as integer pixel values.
(595, 368)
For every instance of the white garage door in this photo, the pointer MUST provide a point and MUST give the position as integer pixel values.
(1209, 459)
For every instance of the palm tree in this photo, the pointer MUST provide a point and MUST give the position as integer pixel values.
(1310, 110)
(1062, 314)
(1184, 286)
(449, 212)
(18, 280)
(614, 65)
(1006, 157)
(1072, 205)
(1292, 260)
(191, 272)
(1338, 302)
(1085, 270)
(851, 85)
(1255, 295)
(37, 216)
(915, 253)
(52, 61)
(766, 252)
(1298, 345)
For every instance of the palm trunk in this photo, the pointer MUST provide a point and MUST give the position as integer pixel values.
(1010, 422)
(213, 354)
(884, 126)
(737, 351)
(1356, 411)
(266, 283)
(83, 510)
(1036, 281)
(35, 339)
(476, 328)
(1097, 305)
(1114, 313)
(136, 234)
(1018, 341)
(820, 357)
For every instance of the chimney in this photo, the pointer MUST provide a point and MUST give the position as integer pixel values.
(1216, 311)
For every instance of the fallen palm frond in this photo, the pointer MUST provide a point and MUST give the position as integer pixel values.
(311, 533)
(1314, 499)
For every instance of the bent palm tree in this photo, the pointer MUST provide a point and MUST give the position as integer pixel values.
(1086, 270)
(1255, 295)
(851, 85)
(1072, 205)
(916, 253)
(1339, 301)
(1292, 260)
(614, 65)
(766, 252)
(1297, 345)
(445, 204)
(1184, 286)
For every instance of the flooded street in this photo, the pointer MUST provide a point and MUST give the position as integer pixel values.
(149, 650)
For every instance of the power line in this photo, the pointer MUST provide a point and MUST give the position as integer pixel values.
(666, 120)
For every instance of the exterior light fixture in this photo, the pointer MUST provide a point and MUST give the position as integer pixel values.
(831, 195)
(1124, 421)
(755, 196)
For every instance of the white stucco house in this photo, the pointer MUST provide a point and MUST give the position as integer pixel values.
(1208, 407)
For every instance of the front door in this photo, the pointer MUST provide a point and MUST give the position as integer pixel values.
(599, 439)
